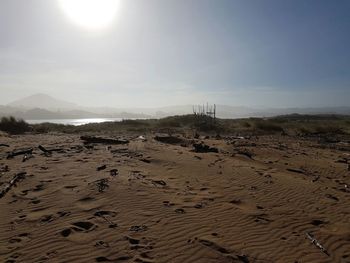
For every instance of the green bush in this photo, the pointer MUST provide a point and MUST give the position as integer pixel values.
(13, 126)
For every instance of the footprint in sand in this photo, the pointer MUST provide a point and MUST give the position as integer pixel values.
(85, 226)
(235, 257)
(143, 244)
(66, 232)
(10, 260)
(105, 259)
(199, 205)
(132, 241)
(168, 204)
(262, 219)
(317, 222)
(70, 186)
(15, 240)
(179, 211)
(63, 213)
(46, 218)
(87, 203)
(105, 213)
(35, 201)
(86, 199)
(81, 226)
(38, 188)
(19, 239)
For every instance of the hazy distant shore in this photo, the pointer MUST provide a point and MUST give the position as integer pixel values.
(75, 122)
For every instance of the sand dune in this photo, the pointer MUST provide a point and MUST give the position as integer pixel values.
(155, 202)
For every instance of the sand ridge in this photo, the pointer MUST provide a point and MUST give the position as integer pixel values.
(148, 201)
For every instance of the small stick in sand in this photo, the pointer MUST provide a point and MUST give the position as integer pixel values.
(14, 180)
(111, 224)
(316, 243)
(43, 149)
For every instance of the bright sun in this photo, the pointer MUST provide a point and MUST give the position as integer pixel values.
(91, 14)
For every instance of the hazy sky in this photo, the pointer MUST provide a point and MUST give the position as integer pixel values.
(168, 52)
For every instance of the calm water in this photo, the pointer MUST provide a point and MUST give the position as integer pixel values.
(75, 122)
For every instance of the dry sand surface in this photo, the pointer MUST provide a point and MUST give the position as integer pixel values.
(155, 202)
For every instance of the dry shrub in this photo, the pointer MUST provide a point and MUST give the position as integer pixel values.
(13, 126)
(268, 126)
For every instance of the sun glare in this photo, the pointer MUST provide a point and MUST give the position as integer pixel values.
(90, 14)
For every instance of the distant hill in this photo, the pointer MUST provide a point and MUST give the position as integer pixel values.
(232, 112)
(42, 106)
(42, 101)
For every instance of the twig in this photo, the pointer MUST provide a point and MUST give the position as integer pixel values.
(14, 180)
(316, 243)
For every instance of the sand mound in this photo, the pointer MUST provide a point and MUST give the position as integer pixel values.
(167, 203)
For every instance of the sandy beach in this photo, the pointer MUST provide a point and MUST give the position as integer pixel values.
(256, 200)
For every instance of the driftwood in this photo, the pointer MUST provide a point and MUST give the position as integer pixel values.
(316, 243)
(19, 152)
(49, 151)
(203, 148)
(18, 177)
(93, 139)
(169, 139)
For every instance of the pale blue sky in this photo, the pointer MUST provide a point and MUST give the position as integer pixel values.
(292, 53)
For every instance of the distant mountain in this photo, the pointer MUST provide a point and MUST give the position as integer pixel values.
(312, 111)
(42, 101)
(42, 106)
(42, 114)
